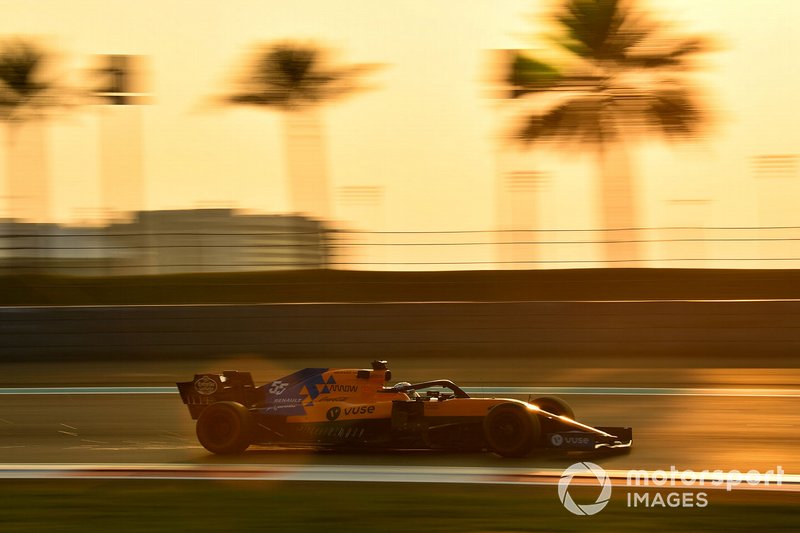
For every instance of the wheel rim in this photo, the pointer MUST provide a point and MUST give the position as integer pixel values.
(219, 430)
(508, 428)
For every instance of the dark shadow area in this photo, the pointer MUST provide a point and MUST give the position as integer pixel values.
(363, 286)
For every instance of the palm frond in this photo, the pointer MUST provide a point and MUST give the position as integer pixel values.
(258, 99)
(675, 113)
(600, 29)
(671, 55)
(288, 75)
(19, 63)
(527, 75)
(22, 87)
(621, 78)
(581, 119)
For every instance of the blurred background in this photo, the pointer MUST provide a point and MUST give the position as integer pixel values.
(148, 138)
(592, 197)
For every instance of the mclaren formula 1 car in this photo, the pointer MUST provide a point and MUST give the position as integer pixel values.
(353, 408)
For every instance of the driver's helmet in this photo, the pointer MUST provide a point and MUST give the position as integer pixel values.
(400, 387)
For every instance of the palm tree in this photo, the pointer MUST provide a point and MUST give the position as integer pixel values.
(623, 76)
(25, 95)
(293, 78)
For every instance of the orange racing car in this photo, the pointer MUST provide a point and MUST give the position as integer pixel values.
(353, 408)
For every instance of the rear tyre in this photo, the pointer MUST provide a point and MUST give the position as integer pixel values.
(554, 405)
(225, 428)
(511, 430)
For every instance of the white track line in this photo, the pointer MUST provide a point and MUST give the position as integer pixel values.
(592, 391)
(5, 308)
(373, 474)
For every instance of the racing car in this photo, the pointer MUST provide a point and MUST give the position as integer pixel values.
(353, 408)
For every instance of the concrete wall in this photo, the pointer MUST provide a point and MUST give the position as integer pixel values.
(749, 332)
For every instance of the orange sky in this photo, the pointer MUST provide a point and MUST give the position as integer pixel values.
(425, 132)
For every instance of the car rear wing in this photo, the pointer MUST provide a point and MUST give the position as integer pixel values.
(205, 389)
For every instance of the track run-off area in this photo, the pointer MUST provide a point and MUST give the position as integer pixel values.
(146, 431)
(645, 479)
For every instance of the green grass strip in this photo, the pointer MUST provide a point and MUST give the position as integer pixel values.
(157, 505)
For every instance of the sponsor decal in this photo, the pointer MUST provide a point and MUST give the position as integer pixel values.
(359, 410)
(571, 440)
(335, 412)
(281, 406)
(277, 387)
(337, 399)
(287, 400)
(343, 388)
(205, 386)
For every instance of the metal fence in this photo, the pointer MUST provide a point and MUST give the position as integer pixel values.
(109, 251)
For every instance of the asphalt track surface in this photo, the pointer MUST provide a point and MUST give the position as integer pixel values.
(741, 430)
(735, 408)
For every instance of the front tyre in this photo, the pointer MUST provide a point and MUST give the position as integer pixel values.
(225, 428)
(511, 430)
(554, 405)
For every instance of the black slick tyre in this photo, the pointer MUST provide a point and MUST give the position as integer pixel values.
(554, 405)
(225, 428)
(511, 430)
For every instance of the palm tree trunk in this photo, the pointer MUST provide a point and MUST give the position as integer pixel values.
(28, 191)
(517, 191)
(618, 206)
(9, 192)
(28, 194)
(306, 163)
(121, 160)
